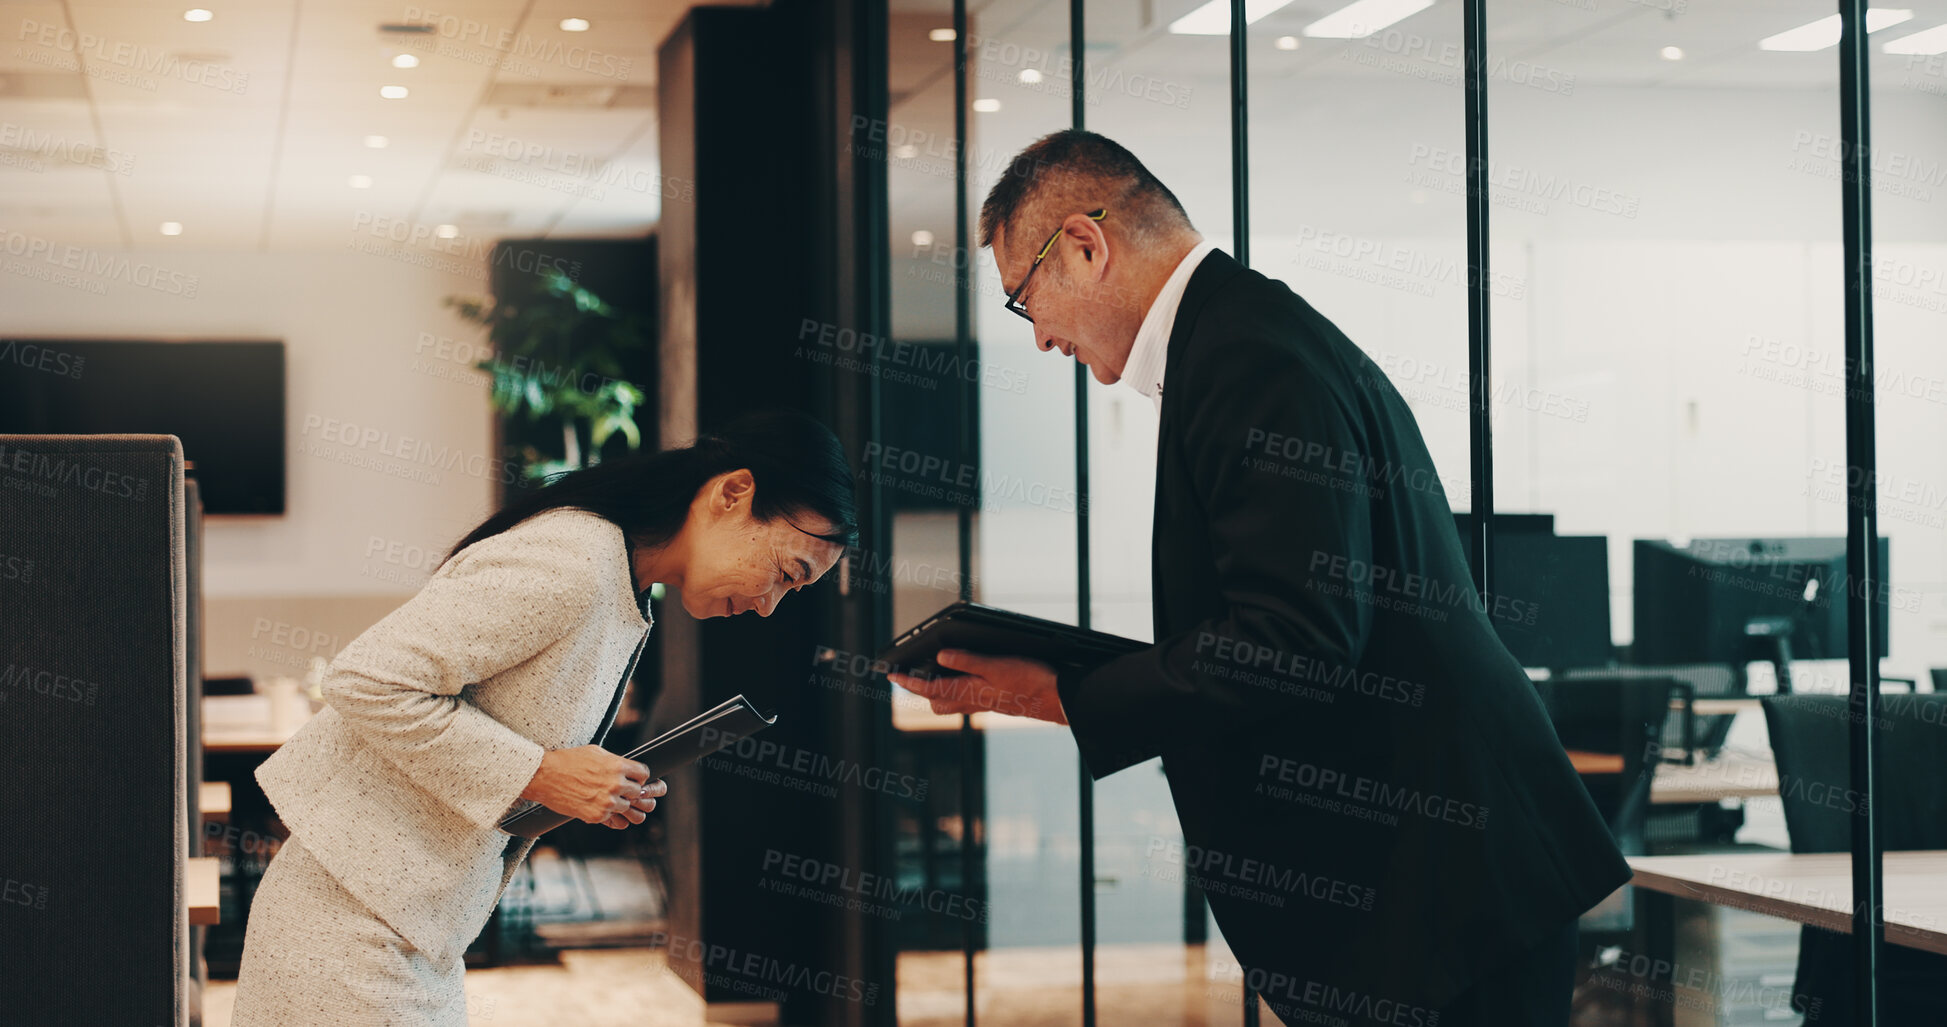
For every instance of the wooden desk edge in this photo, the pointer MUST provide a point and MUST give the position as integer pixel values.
(1595, 762)
(203, 889)
(265, 744)
(1798, 913)
(213, 800)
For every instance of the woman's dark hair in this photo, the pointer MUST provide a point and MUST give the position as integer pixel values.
(797, 462)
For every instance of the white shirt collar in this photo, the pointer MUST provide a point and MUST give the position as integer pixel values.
(1147, 357)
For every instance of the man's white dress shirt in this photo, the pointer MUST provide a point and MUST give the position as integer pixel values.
(1144, 372)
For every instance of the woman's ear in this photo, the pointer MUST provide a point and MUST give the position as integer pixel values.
(735, 488)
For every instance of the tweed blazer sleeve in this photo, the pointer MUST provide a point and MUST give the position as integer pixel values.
(494, 605)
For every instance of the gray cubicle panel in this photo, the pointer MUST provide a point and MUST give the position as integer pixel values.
(93, 923)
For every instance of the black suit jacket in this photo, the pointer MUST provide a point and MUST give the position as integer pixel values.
(1371, 794)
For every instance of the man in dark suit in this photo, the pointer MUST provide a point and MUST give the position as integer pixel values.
(1371, 795)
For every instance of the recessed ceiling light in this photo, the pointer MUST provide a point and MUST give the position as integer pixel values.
(197, 14)
(1213, 18)
(1823, 33)
(1287, 43)
(1671, 53)
(942, 36)
(405, 60)
(171, 228)
(574, 24)
(1924, 44)
(393, 92)
(1362, 19)
(986, 105)
(922, 238)
(1029, 76)
(447, 231)
(905, 151)
(377, 142)
(359, 181)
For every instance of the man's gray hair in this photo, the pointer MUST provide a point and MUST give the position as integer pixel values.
(1075, 172)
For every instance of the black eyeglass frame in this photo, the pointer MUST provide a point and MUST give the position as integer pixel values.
(1014, 302)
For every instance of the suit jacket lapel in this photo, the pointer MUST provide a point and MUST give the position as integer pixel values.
(1216, 269)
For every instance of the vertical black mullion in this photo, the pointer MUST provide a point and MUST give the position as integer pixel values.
(1240, 135)
(1862, 511)
(963, 348)
(1480, 426)
(962, 285)
(1240, 234)
(861, 291)
(1084, 598)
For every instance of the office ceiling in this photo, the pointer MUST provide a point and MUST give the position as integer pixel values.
(1535, 47)
(118, 119)
(249, 130)
(1601, 41)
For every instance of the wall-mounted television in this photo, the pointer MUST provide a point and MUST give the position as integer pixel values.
(225, 400)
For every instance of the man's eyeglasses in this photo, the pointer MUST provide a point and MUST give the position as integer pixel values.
(1014, 300)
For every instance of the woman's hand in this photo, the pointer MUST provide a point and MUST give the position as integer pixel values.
(594, 786)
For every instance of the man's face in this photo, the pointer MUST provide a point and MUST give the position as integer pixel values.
(1066, 294)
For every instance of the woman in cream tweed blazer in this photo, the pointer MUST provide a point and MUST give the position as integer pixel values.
(481, 695)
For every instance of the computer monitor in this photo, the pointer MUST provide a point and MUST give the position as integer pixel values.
(1554, 591)
(1697, 602)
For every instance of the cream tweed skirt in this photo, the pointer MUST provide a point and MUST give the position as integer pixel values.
(313, 954)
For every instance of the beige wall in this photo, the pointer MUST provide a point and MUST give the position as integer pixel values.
(389, 434)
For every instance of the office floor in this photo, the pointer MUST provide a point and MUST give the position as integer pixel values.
(590, 988)
(1160, 985)
(607, 974)
(1168, 985)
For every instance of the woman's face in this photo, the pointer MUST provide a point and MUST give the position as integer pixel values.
(736, 563)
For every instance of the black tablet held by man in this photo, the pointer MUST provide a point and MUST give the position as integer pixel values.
(986, 629)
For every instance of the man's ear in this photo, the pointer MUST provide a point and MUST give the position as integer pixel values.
(1091, 241)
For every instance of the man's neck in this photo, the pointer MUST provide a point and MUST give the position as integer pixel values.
(1157, 274)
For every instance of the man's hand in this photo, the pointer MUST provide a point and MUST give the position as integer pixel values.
(1013, 685)
(594, 786)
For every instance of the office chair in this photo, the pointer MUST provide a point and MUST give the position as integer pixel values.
(1624, 716)
(1809, 739)
(1704, 735)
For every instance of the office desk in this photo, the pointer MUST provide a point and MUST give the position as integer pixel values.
(1720, 707)
(202, 888)
(1729, 776)
(1595, 762)
(243, 724)
(1810, 888)
(213, 800)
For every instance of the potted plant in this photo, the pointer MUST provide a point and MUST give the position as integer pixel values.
(558, 353)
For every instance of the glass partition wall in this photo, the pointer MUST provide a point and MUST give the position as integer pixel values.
(1657, 186)
(1165, 96)
(1618, 310)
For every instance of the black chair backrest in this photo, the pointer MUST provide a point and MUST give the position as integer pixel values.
(1622, 716)
(1810, 741)
(93, 929)
(1706, 680)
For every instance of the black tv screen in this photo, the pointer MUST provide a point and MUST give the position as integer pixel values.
(225, 400)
